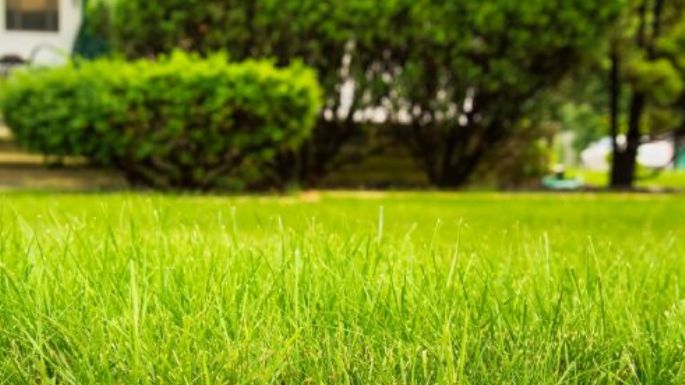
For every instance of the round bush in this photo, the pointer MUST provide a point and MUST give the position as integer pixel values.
(178, 122)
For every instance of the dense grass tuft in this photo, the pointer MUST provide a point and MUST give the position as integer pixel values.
(342, 289)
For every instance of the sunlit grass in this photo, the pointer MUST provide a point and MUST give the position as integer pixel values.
(342, 289)
(667, 179)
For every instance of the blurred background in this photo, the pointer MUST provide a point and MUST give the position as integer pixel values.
(405, 94)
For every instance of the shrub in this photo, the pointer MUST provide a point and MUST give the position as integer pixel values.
(180, 122)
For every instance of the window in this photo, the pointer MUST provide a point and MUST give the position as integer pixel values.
(32, 15)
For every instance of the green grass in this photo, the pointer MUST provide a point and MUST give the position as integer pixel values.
(669, 179)
(342, 289)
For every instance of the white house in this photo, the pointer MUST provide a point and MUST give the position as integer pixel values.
(40, 31)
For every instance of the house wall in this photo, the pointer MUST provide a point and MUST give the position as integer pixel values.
(51, 48)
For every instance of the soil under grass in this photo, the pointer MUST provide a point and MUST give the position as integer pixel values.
(339, 288)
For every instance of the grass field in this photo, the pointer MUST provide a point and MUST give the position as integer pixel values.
(340, 288)
(668, 179)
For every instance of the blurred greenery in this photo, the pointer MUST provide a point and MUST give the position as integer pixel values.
(644, 63)
(473, 91)
(454, 79)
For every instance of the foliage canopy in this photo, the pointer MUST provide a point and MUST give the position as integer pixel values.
(454, 77)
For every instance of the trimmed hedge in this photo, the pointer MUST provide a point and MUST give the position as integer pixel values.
(179, 122)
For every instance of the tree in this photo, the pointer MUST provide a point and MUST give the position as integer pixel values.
(672, 46)
(481, 67)
(642, 67)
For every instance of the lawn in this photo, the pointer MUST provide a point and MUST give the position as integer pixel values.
(667, 179)
(340, 288)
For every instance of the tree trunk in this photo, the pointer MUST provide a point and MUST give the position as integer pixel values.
(457, 175)
(459, 154)
(678, 143)
(625, 160)
(622, 171)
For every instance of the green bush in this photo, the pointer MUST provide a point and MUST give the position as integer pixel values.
(180, 122)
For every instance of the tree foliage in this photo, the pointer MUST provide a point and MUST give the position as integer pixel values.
(483, 66)
(644, 64)
(453, 77)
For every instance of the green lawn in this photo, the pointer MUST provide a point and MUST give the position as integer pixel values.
(342, 289)
(668, 179)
